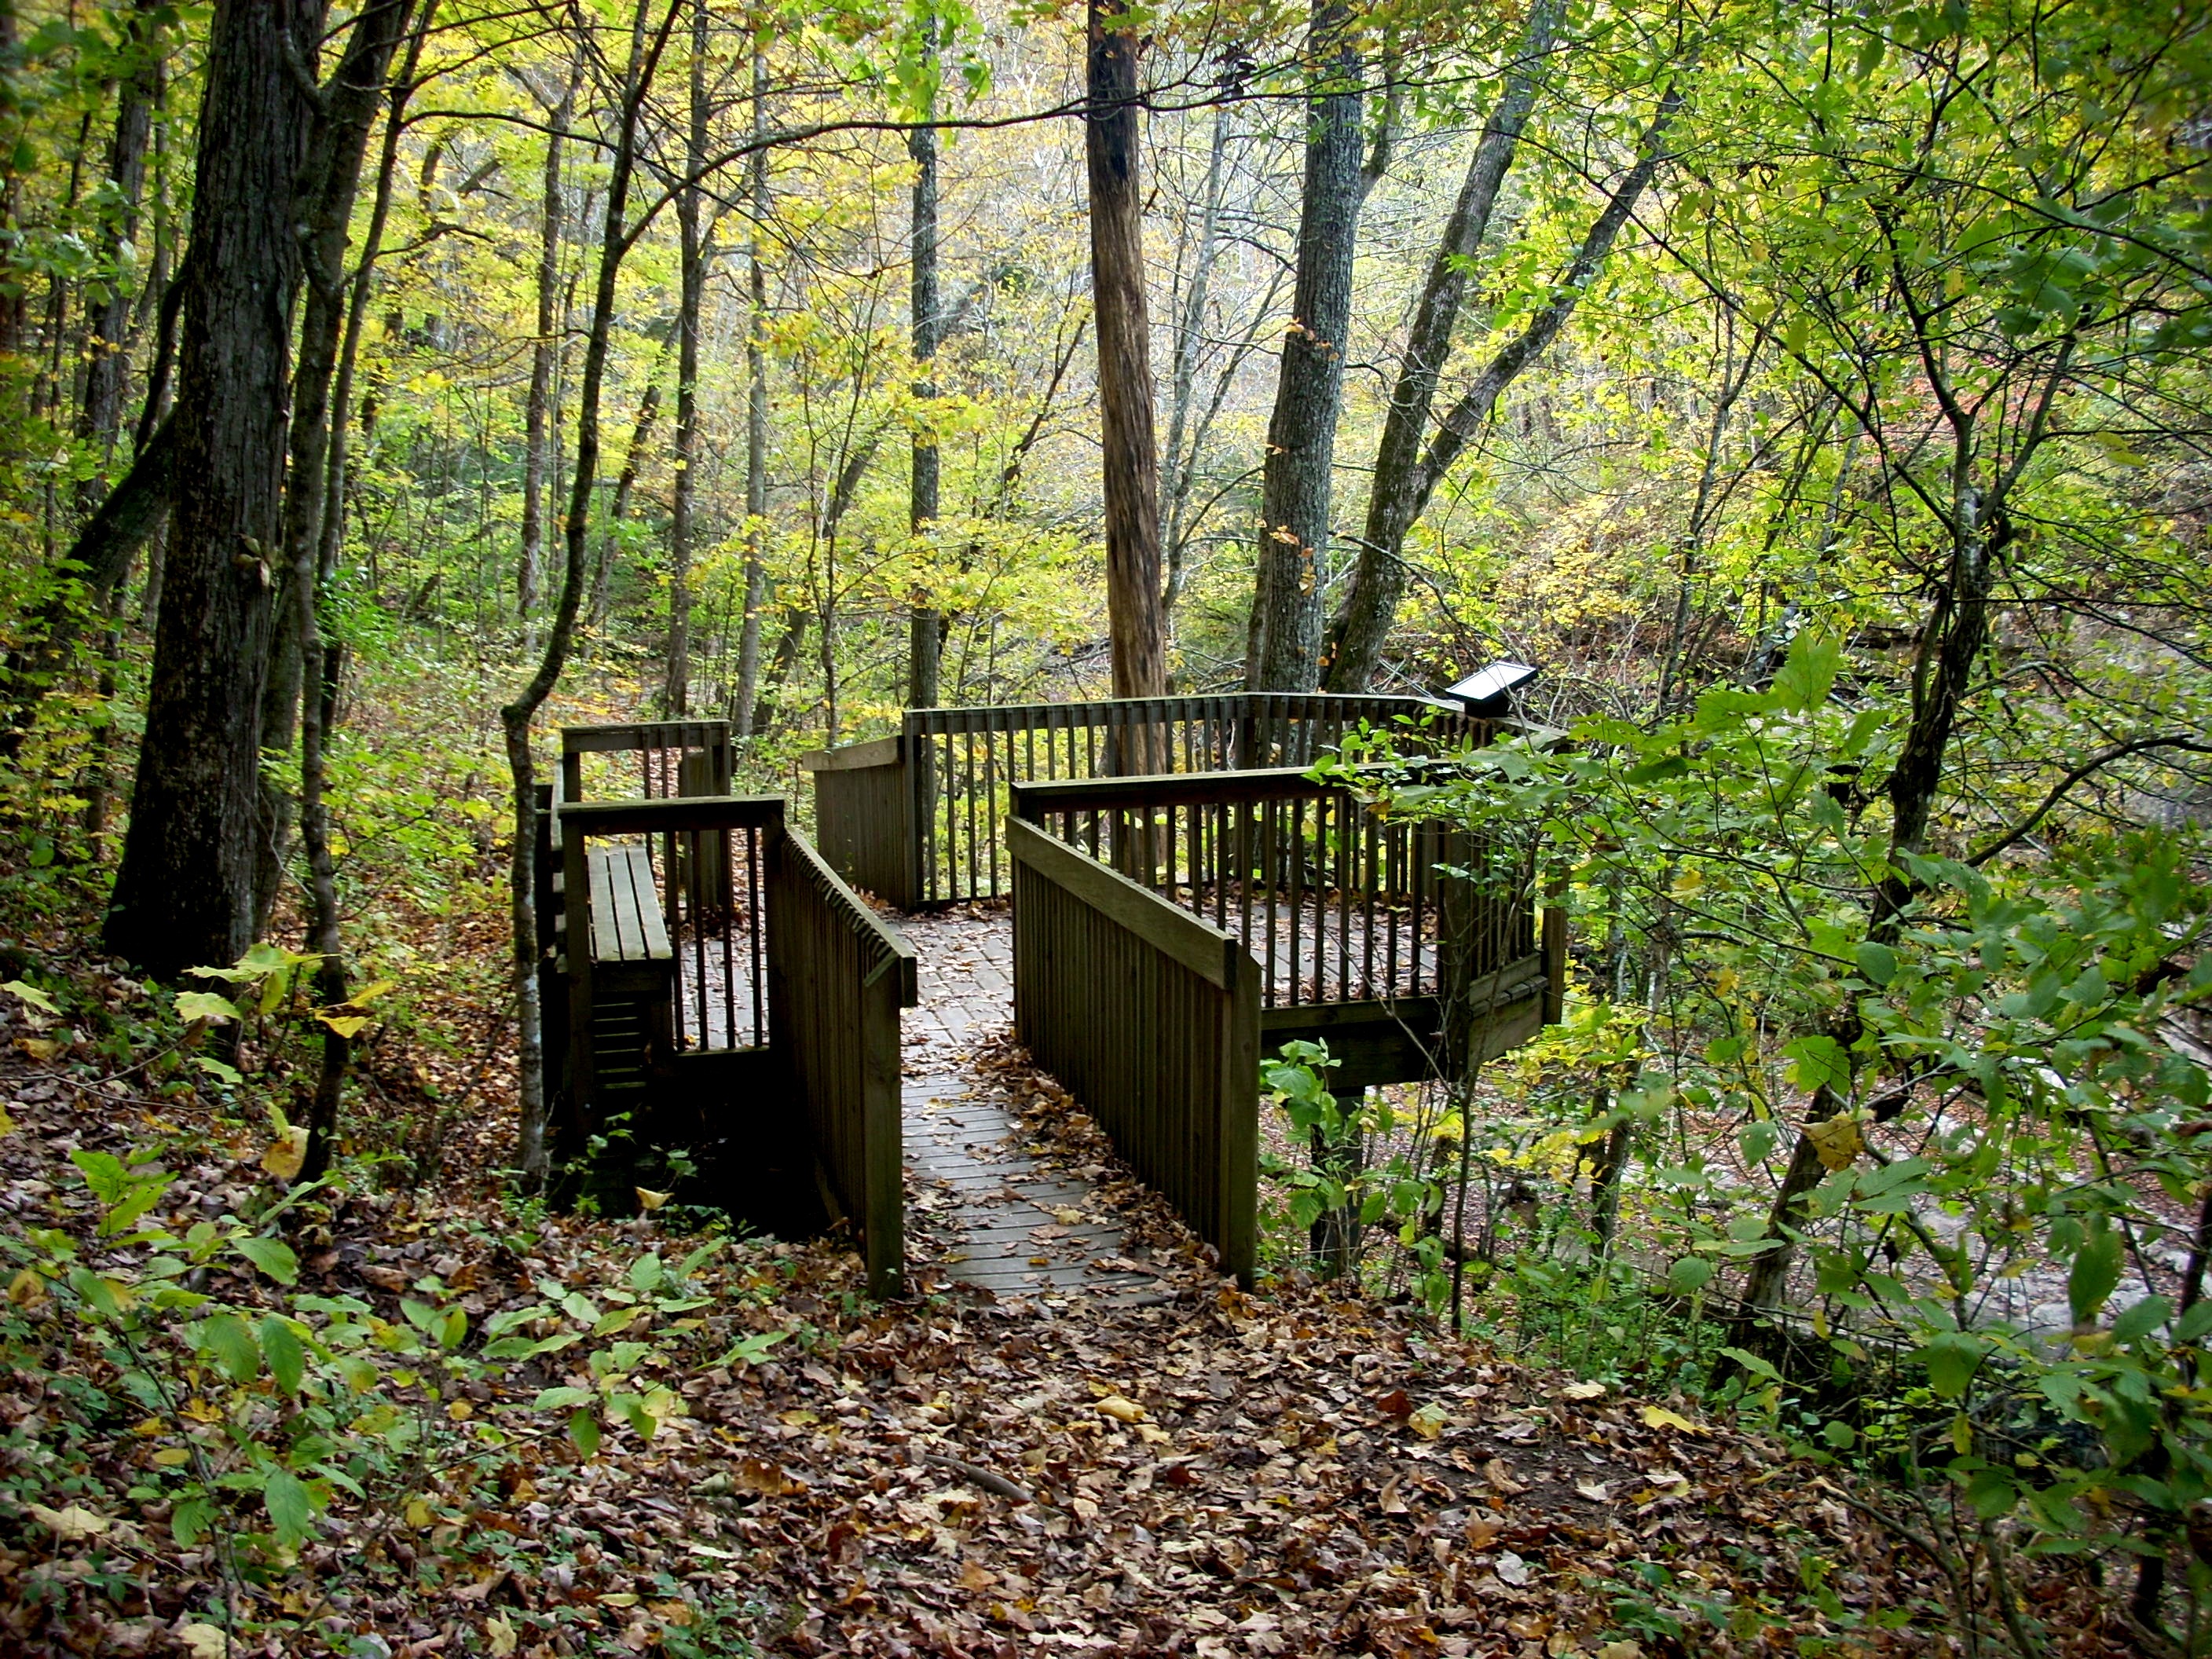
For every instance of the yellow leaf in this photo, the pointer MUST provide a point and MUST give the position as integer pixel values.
(1429, 1421)
(649, 1199)
(1583, 1391)
(40, 1047)
(204, 1641)
(797, 1419)
(1658, 1416)
(1122, 1410)
(287, 1153)
(418, 1515)
(501, 1630)
(6, 1122)
(25, 1288)
(170, 1458)
(460, 1411)
(1837, 1141)
(348, 1026)
(368, 994)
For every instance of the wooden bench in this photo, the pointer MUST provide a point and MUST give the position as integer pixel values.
(627, 929)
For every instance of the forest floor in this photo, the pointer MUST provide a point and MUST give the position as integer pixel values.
(1289, 1472)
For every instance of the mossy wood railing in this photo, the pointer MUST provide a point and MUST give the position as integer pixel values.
(717, 978)
(914, 818)
(1152, 1017)
(1409, 945)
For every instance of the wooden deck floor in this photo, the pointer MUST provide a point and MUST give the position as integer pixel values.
(1008, 1215)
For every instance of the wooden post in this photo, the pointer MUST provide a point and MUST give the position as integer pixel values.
(1555, 950)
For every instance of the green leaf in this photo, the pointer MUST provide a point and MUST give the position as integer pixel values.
(1757, 1138)
(584, 1432)
(290, 1509)
(225, 1338)
(1809, 671)
(280, 1345)
(104, 1174)
(554, 1399)
(206, 1005)
(1952, 1358)
(2142, 1318)
(1877, 962)
(1688, 1274)
(273, 1256)
(1840, 1434)
(2096, 1272)
(189, 1520)
(2194, 1323)
(1819, 1062)
(1752, 1363)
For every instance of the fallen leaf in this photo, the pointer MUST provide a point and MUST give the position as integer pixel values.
(71, 1523)
(1596, 1491)
(1501, 1479)
(203, 1641)
(287, 1153)
(1122, 1410)
(1511, 1568)
(1621, 1650)
(501, 1630)
(1658, 1416)
(758, 1474)
(1429, 1422)
(1582, 1391)
(1391, 1503)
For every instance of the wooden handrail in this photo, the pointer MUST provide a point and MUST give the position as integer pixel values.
(1119, 711)
(1166, 789)
(1190, 788)
(854, 757)
(645, 734)
(1215, 955)
(891, 951)
(667, 813)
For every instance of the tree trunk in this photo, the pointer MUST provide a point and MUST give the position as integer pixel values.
(184, 893)
(363, 287)
(107, 370)
(1110, 143)
(641, 436)
(351, 98)
(1283, 651)
(539, 415)
(532, 1152)
(925, 627)
(743, 711)
(1183, 379)
(691, 259)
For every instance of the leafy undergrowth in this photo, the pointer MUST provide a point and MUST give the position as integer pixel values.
(403, 1418)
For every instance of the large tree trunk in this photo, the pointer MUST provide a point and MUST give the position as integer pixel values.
(1284, 651)
(1110, 144)
(691, 259)
(350, 102)
(184, 896)
(107, 370)
(743, 711)
(925, 627)
(537, 413)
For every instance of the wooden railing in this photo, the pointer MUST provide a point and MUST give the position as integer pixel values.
(916, 819)
(1151, 1016)
(1409, 946)
(838, 978)
(711, 967)
(664, 757)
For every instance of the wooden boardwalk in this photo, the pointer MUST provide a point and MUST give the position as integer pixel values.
(1011, 1217)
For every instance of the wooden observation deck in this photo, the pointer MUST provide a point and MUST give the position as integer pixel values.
(1186, 898)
